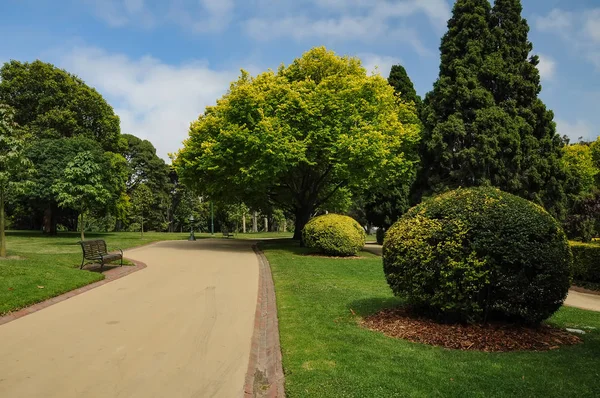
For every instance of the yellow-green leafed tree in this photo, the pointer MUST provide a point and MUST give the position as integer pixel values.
(296, 137)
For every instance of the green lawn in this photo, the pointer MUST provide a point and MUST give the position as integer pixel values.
(326, 354)
(53, 263)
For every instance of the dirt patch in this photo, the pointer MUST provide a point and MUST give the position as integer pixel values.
(492, 337)
(12, 258)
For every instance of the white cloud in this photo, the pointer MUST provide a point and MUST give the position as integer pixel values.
(202, 16)
(547, 67)
(366, 21)
(378, 63)
(579, 130)
(592, 25)
(154, 100)
(364, 29)
(118, 13)
(556, 20)
(580, 29)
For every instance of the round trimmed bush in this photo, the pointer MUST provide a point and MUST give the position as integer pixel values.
(473, 254)
(334, 234)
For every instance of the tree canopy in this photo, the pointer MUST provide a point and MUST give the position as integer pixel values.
(484, 123)
(13, 163)
(82, 186)
(403, 86)
(52, 103)
(296, 137)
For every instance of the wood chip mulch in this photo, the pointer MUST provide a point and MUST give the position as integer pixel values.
(491, 337)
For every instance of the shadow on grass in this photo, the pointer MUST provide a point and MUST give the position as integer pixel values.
(370, 306)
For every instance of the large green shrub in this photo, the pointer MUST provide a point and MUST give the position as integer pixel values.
(586, 262)
(471, 254)
(334, 234)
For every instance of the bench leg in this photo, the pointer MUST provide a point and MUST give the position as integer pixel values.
(82, 262)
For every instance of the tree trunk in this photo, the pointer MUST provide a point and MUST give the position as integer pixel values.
(50, 219)
(81, 227)
(142, 229)
(244, 223)
(255, 222)
(2, 235)
(302, 217)
(266, 224)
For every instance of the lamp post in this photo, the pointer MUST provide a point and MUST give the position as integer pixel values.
(192, 237)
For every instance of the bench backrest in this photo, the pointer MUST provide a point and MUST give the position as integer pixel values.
(93, 248)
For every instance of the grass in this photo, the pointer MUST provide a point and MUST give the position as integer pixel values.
(49, 265)
(327, 354)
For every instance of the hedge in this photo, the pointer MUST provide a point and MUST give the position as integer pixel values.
(586, 262)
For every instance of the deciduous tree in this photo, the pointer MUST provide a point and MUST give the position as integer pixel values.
(294, 138)
(82, 187)
(13, 163)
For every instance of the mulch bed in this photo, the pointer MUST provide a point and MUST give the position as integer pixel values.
(491, 337)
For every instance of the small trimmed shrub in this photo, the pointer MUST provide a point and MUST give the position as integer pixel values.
(473, 254)
(586, 262)
(335, 235)
(379, 235)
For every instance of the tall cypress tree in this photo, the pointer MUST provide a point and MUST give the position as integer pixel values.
(455, 149)
(484, 124)
(402, 84)
(513, 78)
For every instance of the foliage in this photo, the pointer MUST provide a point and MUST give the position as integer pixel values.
(334, 234)
(403, 86)
(380, 235)
(326, 353)
(580, 169)
(13, 164)
(82, 186)
(586, 262)
(483, 122)
(583, 221)
(145, 166)
(473, 253)
(52, 103)
(141, 202)
(293, 139)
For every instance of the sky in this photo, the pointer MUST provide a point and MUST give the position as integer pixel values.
(159, 63)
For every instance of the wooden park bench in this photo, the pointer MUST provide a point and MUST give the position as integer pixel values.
(95, 251)
(227, 234)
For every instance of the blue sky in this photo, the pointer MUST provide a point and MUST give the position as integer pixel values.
(159, 63)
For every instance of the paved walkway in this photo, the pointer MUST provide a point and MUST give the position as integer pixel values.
(574, 299)
(180, 328)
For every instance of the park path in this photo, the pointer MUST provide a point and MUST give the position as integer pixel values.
(575, 299)
(182, 327)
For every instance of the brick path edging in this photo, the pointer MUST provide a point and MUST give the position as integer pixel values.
(264, 377)
(109, 276)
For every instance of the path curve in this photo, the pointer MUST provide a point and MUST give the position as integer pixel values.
(182, 327)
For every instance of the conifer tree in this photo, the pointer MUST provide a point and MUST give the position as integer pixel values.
(402, 84)
(512, 76)
(484, 123)
(454, 152)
